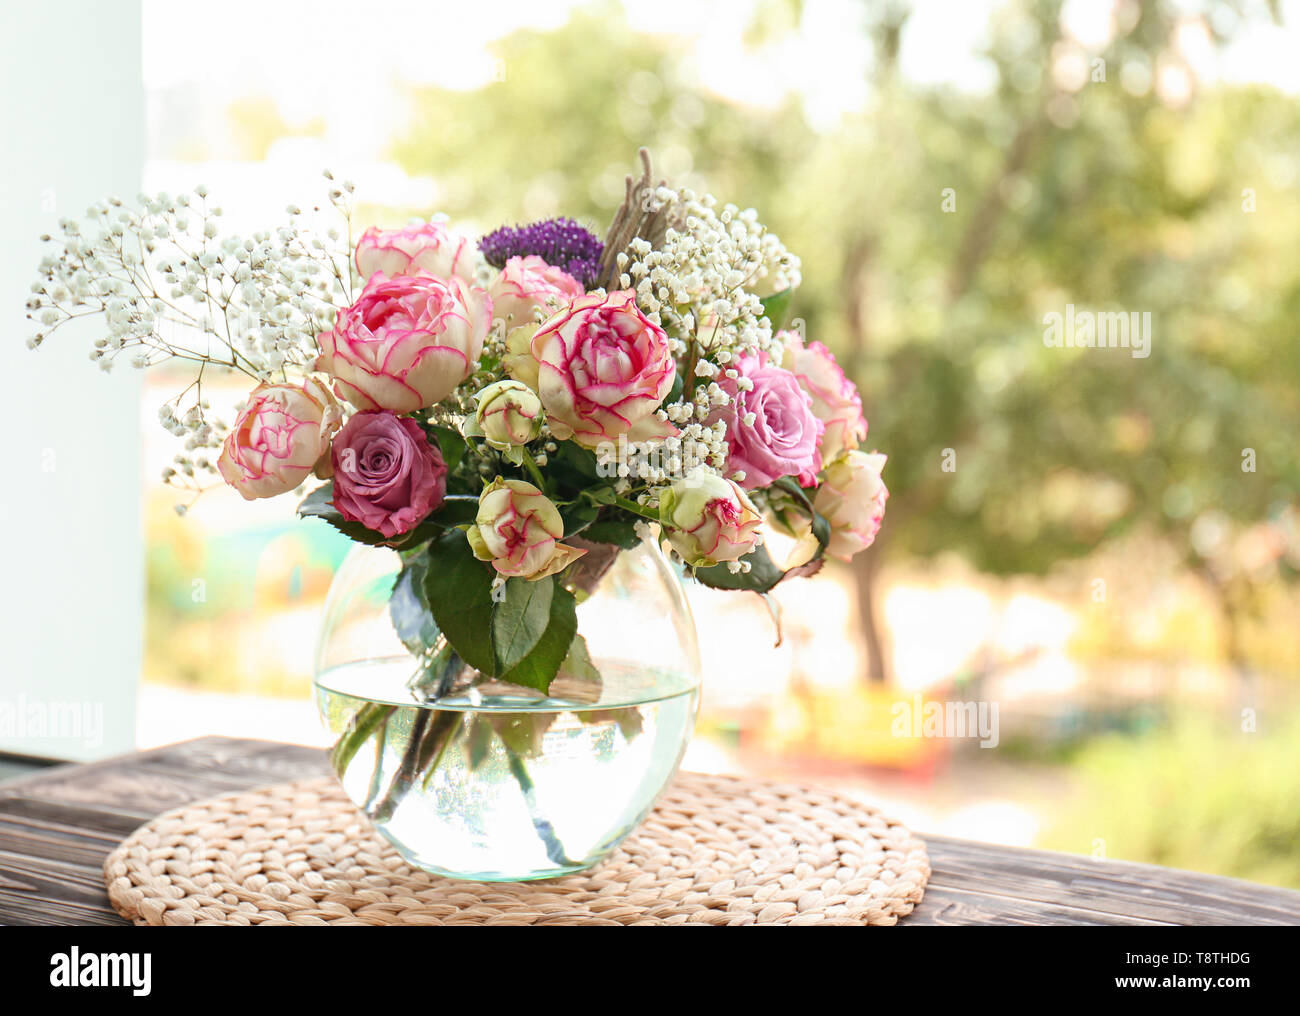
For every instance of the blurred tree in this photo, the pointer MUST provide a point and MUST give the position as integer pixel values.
(938, 228)
(557, 133)
(976, 217)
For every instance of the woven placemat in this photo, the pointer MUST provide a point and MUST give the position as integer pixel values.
(716, 850)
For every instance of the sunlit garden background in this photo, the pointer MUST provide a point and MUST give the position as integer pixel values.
(1104, 546)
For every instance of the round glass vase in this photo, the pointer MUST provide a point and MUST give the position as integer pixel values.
(495, 782)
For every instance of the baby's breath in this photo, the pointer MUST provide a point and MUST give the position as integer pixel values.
(168, 285)
(703, 285)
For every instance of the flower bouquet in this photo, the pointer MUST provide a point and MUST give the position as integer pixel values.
(510, 430)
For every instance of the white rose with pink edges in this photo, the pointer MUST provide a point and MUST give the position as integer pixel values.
(835, 399)
(422, 247)
(406, 342)
(527, 284)
(852, 498)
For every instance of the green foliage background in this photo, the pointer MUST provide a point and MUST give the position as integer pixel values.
(1105, 197)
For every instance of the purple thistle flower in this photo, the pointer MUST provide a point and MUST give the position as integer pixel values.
(561, 243)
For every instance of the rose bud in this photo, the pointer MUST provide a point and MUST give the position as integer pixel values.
(387, 475)
(406, 343)
(771, 428)
(279, 437)
(785, 519)
(509, 414)
(852, 498)
(835, 399)
(423, 247)
(601, 367)
(709, 519)
(519, 530)
(526, 284)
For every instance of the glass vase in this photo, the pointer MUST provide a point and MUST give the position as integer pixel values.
(496, 782)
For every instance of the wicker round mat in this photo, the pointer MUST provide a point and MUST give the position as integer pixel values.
(716, 850)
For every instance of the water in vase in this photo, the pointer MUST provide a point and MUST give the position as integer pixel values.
(505, 787)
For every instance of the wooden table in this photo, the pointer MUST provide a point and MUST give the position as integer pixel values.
(57, 826)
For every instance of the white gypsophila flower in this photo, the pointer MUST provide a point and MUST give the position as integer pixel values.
(704, 286)
(167, 285)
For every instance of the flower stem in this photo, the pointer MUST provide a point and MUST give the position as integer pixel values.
(636, 509)
(432, 732)
(545, 831)
(406, 770)
(364, 722)
(428, 739)
(378, 768)
(428, 744)
(530, 464)
(437, 672)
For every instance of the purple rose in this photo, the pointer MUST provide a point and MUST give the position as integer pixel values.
(772, 430)
(387, 475)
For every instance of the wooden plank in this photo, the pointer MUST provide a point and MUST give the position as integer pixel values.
(1142, 891)
(255, 762)
(55, 842)
(949, 906)
(57, 825)
(38, 891)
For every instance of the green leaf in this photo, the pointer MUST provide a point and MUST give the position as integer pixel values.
(478, 742)
(601, 495)
(573, 466)
(762, 576)
(409, 609)
(629, 722)
(578, 516)
(456, 510)
(450, 443)
(820, 526)
(620, 532)
(319, 504)
(519, 620)
(578, 665)
(679, 384)
(458, 588)
(776, 308)
(628, 719)
(522, 733)
(539, 667)
(578, 679)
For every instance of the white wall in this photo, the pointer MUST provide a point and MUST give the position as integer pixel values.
(71, 552)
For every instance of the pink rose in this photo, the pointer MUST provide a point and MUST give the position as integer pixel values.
(519, 529)
(526, 283)
(835, 398)
(278, 439)
(387, 475)
(771, 428)
(709, 519)
(406, 342)
(852, 498)
(424, 247)
(601, 367)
